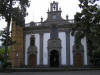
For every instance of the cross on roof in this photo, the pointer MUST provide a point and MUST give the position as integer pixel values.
(54, 7)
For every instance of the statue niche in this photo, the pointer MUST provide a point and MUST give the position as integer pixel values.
(32, 53)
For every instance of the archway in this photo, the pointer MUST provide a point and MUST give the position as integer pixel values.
(54, 58)
(78, 60)
(32, 60)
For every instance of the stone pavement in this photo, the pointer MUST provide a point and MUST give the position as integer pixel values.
(86, 72)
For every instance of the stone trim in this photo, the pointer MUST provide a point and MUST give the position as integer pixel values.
(41, 49)
(54, 44)
(40, 29)
(68, 48)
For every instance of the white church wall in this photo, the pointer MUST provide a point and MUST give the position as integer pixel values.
(71, 48)
(27, 43)
(46, 37)
(62, 37)
(83, 41)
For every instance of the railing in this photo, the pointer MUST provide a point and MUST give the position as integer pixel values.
(71, 21)
(43, 23)
(35, 24)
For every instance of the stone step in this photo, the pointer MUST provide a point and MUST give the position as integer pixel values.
(49, 69)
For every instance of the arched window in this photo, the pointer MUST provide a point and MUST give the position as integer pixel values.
(32, 40)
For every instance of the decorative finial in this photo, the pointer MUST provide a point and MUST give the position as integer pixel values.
(48, 9)
(53, 1)
(67, 17)
(60, 9)
(41, 19)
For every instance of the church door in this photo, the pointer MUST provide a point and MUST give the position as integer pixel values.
(32, 60)
(78, 60)
(54, 58)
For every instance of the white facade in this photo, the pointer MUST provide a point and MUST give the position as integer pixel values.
(46, 37)
(62, 37)
(83, 41)
(37, 44)
(71, 48)
(27, 44)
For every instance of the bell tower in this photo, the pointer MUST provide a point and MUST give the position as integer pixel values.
(54, 6)
(54, 14)
(16, 54)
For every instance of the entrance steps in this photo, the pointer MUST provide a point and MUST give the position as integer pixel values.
(50, 69)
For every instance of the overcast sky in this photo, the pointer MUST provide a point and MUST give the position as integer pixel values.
(39, 8)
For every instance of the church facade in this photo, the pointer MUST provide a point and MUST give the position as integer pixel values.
(47, 43)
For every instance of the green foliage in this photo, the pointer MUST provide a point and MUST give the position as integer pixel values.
(18, 14)
(88, 24)
(0, 33)
(15, 9)
(5, 37)
(2, 50)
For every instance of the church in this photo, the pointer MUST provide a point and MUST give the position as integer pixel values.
(47, 43)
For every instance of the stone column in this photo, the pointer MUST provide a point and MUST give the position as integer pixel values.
(41, 49)
(68, 48)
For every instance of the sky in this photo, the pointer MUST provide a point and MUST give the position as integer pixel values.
(39, 8)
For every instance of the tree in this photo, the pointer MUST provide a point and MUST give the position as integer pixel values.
(1, 54)
(87, 24)
(5, 37)
(12, 10)
(2, 51)
(0, 32)
(4, 44)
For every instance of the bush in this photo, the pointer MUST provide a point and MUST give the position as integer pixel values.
(6, 65)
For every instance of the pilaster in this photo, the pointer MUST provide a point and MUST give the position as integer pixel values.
(41, 49)
(68, 48)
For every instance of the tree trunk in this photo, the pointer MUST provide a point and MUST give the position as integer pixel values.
(7, 38)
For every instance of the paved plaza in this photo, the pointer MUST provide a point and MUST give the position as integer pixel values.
(89, 72)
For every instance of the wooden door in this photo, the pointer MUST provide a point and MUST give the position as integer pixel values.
(78, 60)
(32, 60)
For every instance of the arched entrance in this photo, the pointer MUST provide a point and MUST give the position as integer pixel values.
(54, 58)
(32, 60)
(78, 59)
